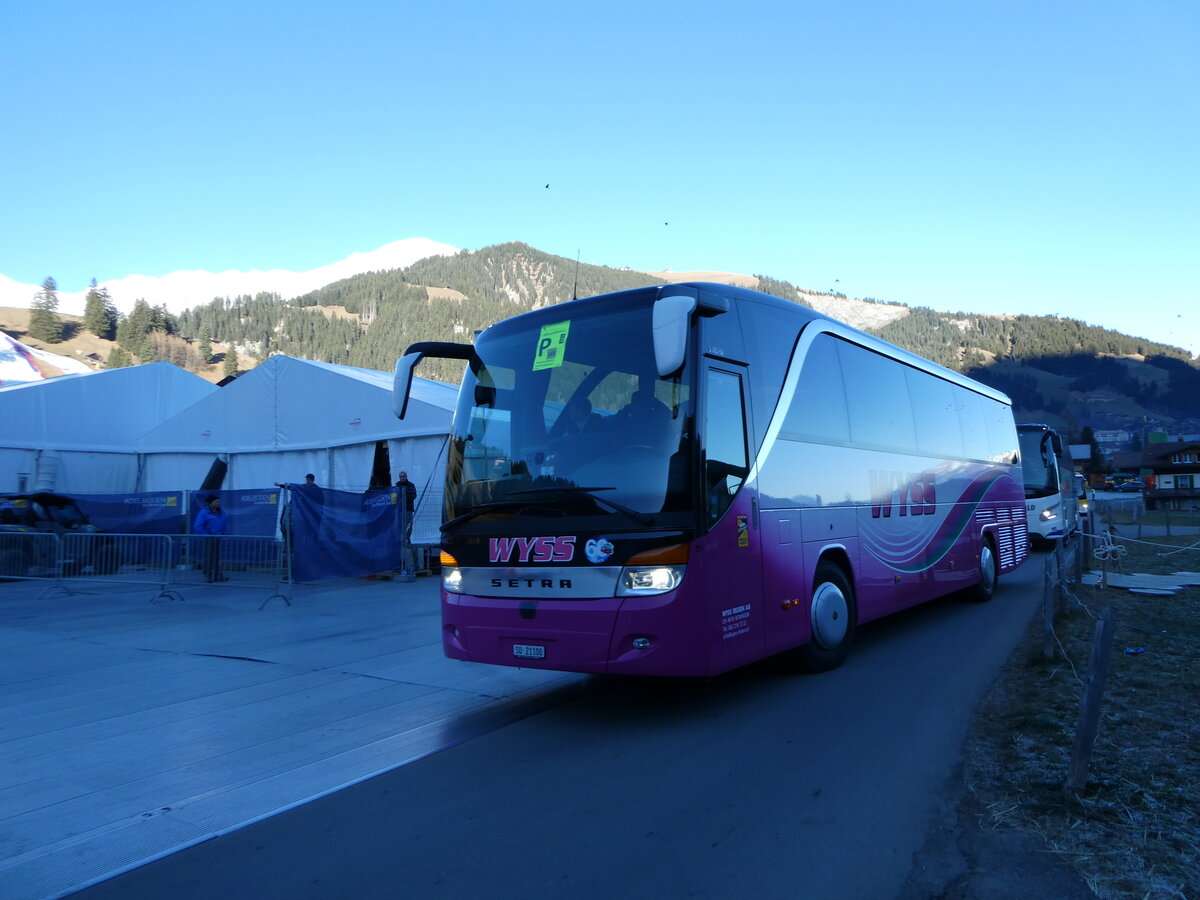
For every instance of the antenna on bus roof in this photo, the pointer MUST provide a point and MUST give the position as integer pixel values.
(575, 286)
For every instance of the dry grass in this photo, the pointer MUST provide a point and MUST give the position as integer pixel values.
(79, 342)
(1135, 830)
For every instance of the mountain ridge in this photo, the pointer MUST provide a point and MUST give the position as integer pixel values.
(1087, 374)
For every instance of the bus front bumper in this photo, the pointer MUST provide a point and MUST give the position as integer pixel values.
(609, 635)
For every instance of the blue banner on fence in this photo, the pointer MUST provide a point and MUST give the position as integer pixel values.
(160, 512)
(252, 512)
(338, 533)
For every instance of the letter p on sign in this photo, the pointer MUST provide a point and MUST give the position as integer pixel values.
(551, 346)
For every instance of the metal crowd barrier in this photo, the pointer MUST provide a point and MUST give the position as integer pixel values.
(29, 555)
(166, 561)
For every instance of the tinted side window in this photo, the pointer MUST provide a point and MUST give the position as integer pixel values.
(934, 414)
(770, 338)
(877, 400)
(1002, 433)
(973, 424)
(818, 410)
(724, 440)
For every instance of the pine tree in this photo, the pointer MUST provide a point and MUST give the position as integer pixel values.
(44, 323)
(118, 359)
(231, 362)
(133, 331)
(205, 347)
(100, 313)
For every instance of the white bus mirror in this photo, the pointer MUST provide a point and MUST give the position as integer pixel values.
(670, 327)
(402, 382)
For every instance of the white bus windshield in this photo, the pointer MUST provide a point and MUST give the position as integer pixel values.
(565, 414)
(1039, 465)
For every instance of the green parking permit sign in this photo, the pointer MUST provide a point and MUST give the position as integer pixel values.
(551, 345)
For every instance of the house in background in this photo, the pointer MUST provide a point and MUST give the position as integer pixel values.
(1170, 470)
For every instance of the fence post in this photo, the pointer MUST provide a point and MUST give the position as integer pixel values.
(1089, 531)
(1089, 708)
(1047, 613)
(1060, 573)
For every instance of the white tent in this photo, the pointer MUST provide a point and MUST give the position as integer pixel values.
(78, 433)
(287, 417)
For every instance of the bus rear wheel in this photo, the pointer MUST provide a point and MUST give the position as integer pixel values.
(833, 614)
(988, 574)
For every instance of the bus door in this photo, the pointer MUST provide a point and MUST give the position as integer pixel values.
(730, 554)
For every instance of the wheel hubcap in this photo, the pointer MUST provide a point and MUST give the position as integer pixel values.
(987, 568)
(830, 615)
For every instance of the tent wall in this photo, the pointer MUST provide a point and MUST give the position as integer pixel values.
(76, 472)
(104, 411)
(14, 464)
(340, 468)
(421, 457)
(424, 459)
(68, 471)
(176, 471)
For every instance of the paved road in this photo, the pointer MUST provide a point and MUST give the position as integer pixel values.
(760, 783)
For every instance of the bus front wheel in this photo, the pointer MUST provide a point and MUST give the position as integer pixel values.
(833, 614)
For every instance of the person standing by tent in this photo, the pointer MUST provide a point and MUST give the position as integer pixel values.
(408, 496)
(210, 522)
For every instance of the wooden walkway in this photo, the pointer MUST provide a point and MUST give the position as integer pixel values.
(129, 730)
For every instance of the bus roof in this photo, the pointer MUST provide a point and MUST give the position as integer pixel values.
(742, 295)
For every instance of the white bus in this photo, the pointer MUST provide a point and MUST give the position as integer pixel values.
(1051, 507)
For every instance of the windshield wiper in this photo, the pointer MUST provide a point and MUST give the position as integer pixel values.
(478, 511)
(634, 514)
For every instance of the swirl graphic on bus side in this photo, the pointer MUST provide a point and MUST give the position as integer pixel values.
(943, 538)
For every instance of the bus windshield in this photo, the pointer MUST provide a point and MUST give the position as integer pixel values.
(565, 415)
(1039, 466)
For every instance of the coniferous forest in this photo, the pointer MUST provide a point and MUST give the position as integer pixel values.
(369, 320)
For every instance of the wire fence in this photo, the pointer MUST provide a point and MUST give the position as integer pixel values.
(1133, 513)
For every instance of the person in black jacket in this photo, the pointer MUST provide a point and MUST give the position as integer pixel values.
(408, 496)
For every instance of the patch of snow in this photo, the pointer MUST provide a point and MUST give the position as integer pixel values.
(861, 314)
(183, 290)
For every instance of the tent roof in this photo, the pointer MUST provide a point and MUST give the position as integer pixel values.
(297, 404)
(104, 411)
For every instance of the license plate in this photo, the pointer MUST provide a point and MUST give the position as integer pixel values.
(529, 651)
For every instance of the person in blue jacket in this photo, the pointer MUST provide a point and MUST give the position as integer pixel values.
(210, 522)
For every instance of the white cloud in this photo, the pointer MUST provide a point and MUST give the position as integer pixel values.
(184, 290)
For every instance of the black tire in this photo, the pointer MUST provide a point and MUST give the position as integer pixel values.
(833, 614)
(989, 572)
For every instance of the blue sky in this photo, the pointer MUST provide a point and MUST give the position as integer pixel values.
(1019, 157)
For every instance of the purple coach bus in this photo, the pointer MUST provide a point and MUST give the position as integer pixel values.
(682, 479)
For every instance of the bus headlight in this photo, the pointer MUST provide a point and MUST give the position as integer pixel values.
(638, 581)
(452, 580)
(1048, 514)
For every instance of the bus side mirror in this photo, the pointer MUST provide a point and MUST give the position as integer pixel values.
(402, 382)
(670, 329)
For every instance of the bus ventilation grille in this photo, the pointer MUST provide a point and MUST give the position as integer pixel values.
(1011, 536)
